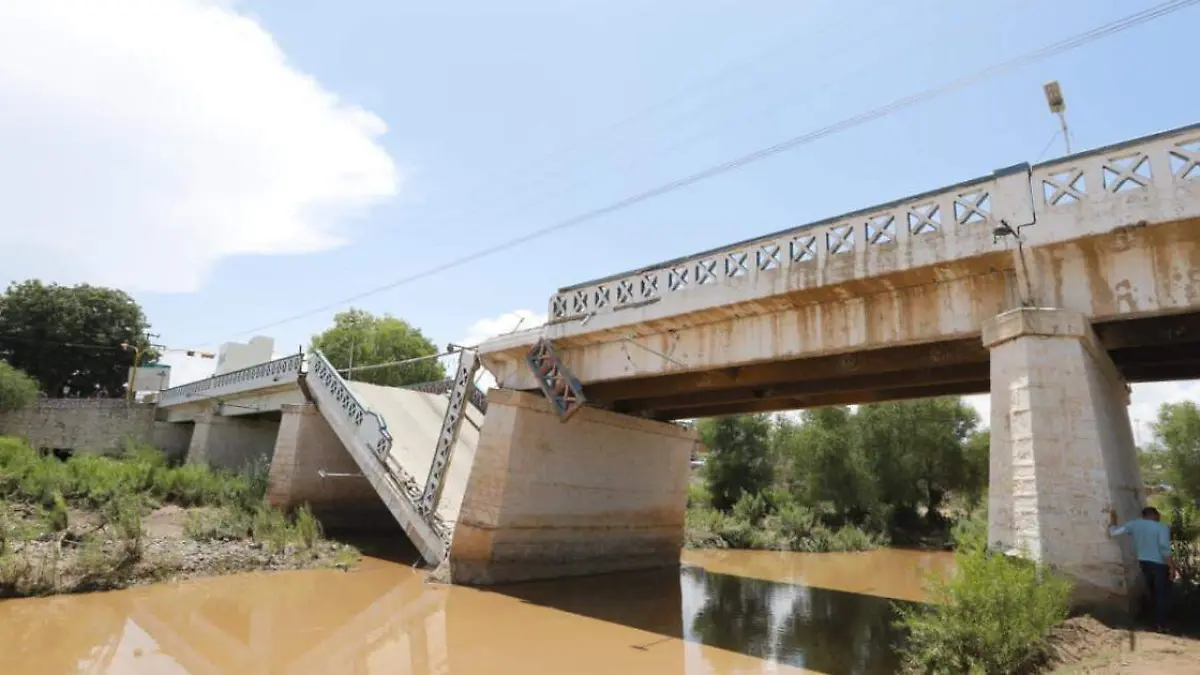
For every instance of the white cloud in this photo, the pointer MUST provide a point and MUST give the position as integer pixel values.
(143, 140)
(483, 329)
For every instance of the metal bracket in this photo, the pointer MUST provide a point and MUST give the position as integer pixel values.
(323, 474)
(464, 386)
(558, 384)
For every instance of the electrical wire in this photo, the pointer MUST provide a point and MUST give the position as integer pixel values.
(74, 345)
(1068, 44)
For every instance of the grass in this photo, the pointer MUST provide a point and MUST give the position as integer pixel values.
(994, 616)
(41, 551)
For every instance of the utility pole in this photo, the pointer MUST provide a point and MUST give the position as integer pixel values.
(1058, 106)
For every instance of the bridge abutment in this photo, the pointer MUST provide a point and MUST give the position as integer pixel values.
(306, 446)
(231, 442)
(1062, 450)
(602, 492)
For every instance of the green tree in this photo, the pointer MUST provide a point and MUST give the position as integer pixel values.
(17, 389)
(977, 453)
(826, 464)
(740, 460)
(68, 338)
(363, 339)
(1177, 434)
(917, 448)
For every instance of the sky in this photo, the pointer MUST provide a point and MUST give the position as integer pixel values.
(237, 163)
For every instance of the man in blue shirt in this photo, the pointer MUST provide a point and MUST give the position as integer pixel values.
(1152, 542)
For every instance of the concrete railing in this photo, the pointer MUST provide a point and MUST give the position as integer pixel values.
(269, 374)
(947, 224)
(444, 387)
(1151, 179)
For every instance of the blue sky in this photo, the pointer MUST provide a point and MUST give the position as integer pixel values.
(475, 95)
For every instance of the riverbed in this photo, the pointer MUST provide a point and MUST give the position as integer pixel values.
(721, 612)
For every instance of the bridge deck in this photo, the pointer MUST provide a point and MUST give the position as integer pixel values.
(414, 419)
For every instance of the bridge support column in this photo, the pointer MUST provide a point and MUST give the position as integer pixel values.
(343, 500)
(1062, 450)
(231, 442)
(601, 492)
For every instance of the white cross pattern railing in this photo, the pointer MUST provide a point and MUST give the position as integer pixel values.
(963, 215)
(272, 373)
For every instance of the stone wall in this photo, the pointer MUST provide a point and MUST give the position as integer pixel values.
(91, 425)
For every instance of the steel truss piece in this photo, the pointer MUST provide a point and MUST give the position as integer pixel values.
(456, 411)
(557, 383)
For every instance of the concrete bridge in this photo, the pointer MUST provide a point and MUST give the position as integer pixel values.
(1050, 286)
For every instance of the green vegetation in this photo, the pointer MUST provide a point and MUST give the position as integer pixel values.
(77, 525)
(360, 338)
(994, 616)
(17, 390)
(838, 480)
(69, 338)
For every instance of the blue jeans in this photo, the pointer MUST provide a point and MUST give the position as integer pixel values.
(1158, 584)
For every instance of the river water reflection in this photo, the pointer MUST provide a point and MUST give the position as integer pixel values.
(722, 612)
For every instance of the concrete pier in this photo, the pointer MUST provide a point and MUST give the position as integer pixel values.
(602, 493)
(1062, 450)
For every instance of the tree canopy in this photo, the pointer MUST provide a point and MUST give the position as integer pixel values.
(361, 338)
(17, 389)
(68, 338)
(740, 460)
(1177, 438)
(887, 457)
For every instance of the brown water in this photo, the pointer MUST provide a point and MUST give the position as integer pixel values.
(722, 612)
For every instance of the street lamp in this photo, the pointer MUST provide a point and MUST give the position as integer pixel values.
(137, 360)
(1058, 106)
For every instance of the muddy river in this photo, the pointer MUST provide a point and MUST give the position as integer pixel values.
(722, 612)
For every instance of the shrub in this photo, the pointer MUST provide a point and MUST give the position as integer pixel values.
(308, 528)
(994, 616)
(270, 527)
(698, 496)
(751, 508)
(221, 524)
(17, 390)
(56, 515)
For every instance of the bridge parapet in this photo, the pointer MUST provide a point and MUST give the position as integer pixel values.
(1143, 180)
(925, 229)
(272, 373)
(1070, 198)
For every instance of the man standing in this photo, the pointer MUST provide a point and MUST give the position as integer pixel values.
(1152, 543)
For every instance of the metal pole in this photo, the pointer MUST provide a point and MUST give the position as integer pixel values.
(1062, 118)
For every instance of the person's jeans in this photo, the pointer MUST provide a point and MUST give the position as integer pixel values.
(1158, 584)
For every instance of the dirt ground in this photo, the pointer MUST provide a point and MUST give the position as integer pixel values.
(1083, 645)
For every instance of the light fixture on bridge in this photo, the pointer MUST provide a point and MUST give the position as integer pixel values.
(1058, 106)
(1005, 230)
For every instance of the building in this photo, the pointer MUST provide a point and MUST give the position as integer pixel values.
(236, 355)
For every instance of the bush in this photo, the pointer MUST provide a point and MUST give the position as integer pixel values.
(222, 524)
(308, 528)
(17, 390)
(994, 617)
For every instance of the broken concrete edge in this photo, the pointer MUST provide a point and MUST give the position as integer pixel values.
(430, 544)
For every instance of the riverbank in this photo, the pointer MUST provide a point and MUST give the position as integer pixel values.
(96, 522)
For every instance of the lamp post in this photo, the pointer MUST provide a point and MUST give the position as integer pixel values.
(137, 359)
(1058, 106)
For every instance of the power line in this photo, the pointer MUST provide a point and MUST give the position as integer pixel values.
(681, 94)
(963, 82)
(74, 345)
